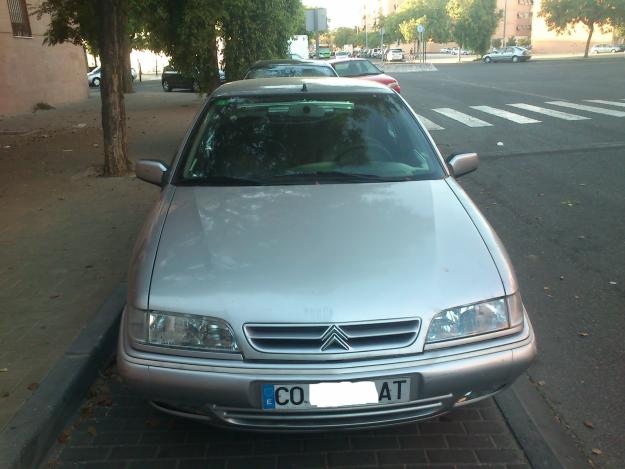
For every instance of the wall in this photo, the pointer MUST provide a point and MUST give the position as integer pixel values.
(31, 72)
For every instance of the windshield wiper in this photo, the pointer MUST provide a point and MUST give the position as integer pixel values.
(332, 176)
(220, 181)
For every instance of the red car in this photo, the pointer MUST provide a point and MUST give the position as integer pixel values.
(362, 68)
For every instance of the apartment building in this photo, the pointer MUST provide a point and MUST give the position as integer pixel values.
(516, 19)
(31, 72)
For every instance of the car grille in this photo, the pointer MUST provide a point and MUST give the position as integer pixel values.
(354, 417)
(332, 338)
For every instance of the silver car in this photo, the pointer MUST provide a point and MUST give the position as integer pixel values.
(607, 48)
(508, 54)
(313, 264)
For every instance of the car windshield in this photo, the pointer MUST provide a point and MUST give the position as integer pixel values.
(290, 70)
(319, 139)
(356, 68)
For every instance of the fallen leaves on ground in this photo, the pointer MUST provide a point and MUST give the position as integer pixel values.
(588, 424)
(597, 451)
(583, 334)
(63, 437)
(92, 431)
(32, 386)
(4, 370)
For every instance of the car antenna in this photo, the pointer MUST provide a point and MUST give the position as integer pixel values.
(304, 87)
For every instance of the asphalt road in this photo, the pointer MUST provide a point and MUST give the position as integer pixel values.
(554, 190)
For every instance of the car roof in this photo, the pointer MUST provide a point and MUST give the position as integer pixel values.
(347, 59)
(292, 85)
(265, 63)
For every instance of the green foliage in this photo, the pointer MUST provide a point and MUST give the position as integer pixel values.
(344, 36)
(257, 29)
(561, 15)
(473, 23)
(430, 13)
(408, 29)
(524, 41)
(511, 41)
(496, 43)
(71, 21)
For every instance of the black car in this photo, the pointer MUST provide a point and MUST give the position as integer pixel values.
(290, 68)
(171, 79)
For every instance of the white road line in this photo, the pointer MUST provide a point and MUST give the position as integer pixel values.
(429, 124)
(583, 107)
(549, 112)
(462, 117)
(601, 101)
(511, 116)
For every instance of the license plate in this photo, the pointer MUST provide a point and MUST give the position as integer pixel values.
(343, 394)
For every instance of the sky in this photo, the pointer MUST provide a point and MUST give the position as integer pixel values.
(340, 12)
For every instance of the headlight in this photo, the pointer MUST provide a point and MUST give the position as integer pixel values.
(475, 319)
(187, 331)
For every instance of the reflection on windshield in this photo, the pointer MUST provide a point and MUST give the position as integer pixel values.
(308, 140)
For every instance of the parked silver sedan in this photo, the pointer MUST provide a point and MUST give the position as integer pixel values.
(312, 263)
(508, 54)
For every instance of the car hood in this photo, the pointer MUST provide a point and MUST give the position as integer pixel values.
(320, 253)
(381, 78)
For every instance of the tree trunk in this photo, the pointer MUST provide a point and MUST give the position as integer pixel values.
(591, 29)
(116, 162)
(122, 26)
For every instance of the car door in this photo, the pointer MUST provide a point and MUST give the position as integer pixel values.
(496, 55)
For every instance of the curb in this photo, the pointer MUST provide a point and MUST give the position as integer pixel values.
(30, 433)
(542, 438)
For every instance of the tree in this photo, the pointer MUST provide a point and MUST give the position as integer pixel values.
(344, 36)
(102, 24)
(257, 29)
(561, 15)
(430, 13)
(473, 23)
(408, 30)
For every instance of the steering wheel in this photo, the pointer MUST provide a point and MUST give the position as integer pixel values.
(369, 147)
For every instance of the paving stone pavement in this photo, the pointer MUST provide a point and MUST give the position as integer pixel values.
(116, 428)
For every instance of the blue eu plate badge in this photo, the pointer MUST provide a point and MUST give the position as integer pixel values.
(268, 397)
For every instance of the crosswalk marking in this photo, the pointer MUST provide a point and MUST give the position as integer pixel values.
(461, 117)
(549, 112)
(511, 116)
(429, 124)
(583, 107)
(601, 101)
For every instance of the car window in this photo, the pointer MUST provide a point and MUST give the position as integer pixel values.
(396, 50)
(356, 68)
(289, 70)
(295, 139)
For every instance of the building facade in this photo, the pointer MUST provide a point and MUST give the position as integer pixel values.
(516, 19)
(31, 72)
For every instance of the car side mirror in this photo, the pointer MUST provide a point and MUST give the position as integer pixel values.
(462, 163)
(151, 171)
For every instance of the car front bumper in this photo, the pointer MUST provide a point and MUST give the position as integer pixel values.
(230, 394)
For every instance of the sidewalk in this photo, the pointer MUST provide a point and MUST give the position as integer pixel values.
(66, 235)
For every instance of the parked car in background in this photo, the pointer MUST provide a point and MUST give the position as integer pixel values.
(172, 79)
(325, 53)
(295, 56)
(94, 77)
(342, 54)
(508, 54)
(313, 264)
(607, 48)
(394, 55)
(290, 68)
(445, 50)
(365, 70)
(376, 53)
